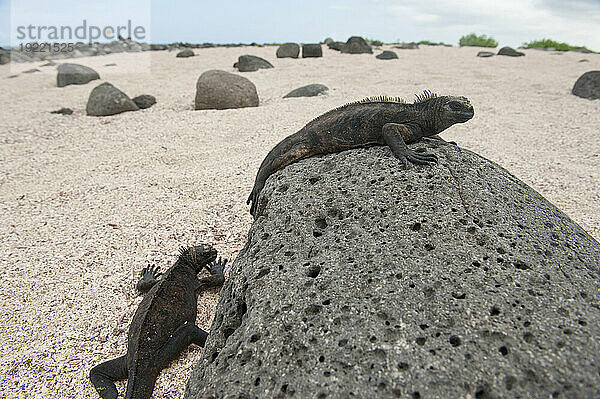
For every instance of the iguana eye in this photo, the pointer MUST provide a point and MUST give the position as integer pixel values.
(455, 106)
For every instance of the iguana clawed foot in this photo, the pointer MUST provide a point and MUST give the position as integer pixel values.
(148, 277)
(217, 266)
(418, 157)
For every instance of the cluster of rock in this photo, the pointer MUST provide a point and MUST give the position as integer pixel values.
(354, 45)
(79, 50)
(292, 50)
(433, 282)
(106, 100)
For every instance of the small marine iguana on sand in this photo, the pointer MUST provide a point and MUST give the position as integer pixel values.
(163, 325)
(372, 121)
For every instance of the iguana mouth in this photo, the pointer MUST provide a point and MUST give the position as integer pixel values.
(466, 115)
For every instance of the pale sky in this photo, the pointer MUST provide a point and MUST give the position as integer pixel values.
(510, 22)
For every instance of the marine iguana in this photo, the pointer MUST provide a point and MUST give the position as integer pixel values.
(163, 325)
(372, 121)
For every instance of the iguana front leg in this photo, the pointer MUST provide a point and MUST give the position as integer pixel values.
(104, 375)
(216, 277)
(395, 136)
(148, 277)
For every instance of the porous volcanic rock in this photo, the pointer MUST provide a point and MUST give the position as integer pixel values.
(251, 63)
(588, 85)
(144, 101)
(336, 45)
(307, 91)
(185, 53)
(288, 50)
(312, 50)
(511, 52)
(222, 90)
(362, 279)
(74, 74)
(356, 45)
(387, 55)
(107, 100)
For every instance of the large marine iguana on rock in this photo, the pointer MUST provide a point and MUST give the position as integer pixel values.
(163, 325)
(372, 121)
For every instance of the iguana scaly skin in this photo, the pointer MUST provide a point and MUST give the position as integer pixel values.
(163, 325)
(369, 122)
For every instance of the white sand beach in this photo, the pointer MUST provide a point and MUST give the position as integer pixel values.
(87, 202)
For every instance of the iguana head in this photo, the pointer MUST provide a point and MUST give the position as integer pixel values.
(198, 256)
(455, 109)
(438, 113)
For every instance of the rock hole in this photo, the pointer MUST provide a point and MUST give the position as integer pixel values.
(321, 223)
(421, 340)
(416, 395)
(423, 326)
(342, 342)
(454, 341)
(321, 359)
(313, 309)
(262, 273)
(519, 264)
(429, 246)
(416, 226)
(503, 350)
(257, 381)
(228, 331)
(402, 366)
(459, 295)
(254, 337)
(313, 271)
(313, 180)
(494, 311)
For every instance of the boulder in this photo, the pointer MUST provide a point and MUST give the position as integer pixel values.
(222, 90)
(107, 100)
(362, 279)
(185, 53)
(74, 74)
(312, 50)
(485, 54)
(144, 101)
(588, 85)
(307, 91)
(387, 55)
(336, 45)
(511, 52)
(356, 45)
(251, 63)
(327, 41)
(407, 46)
(288, 50)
